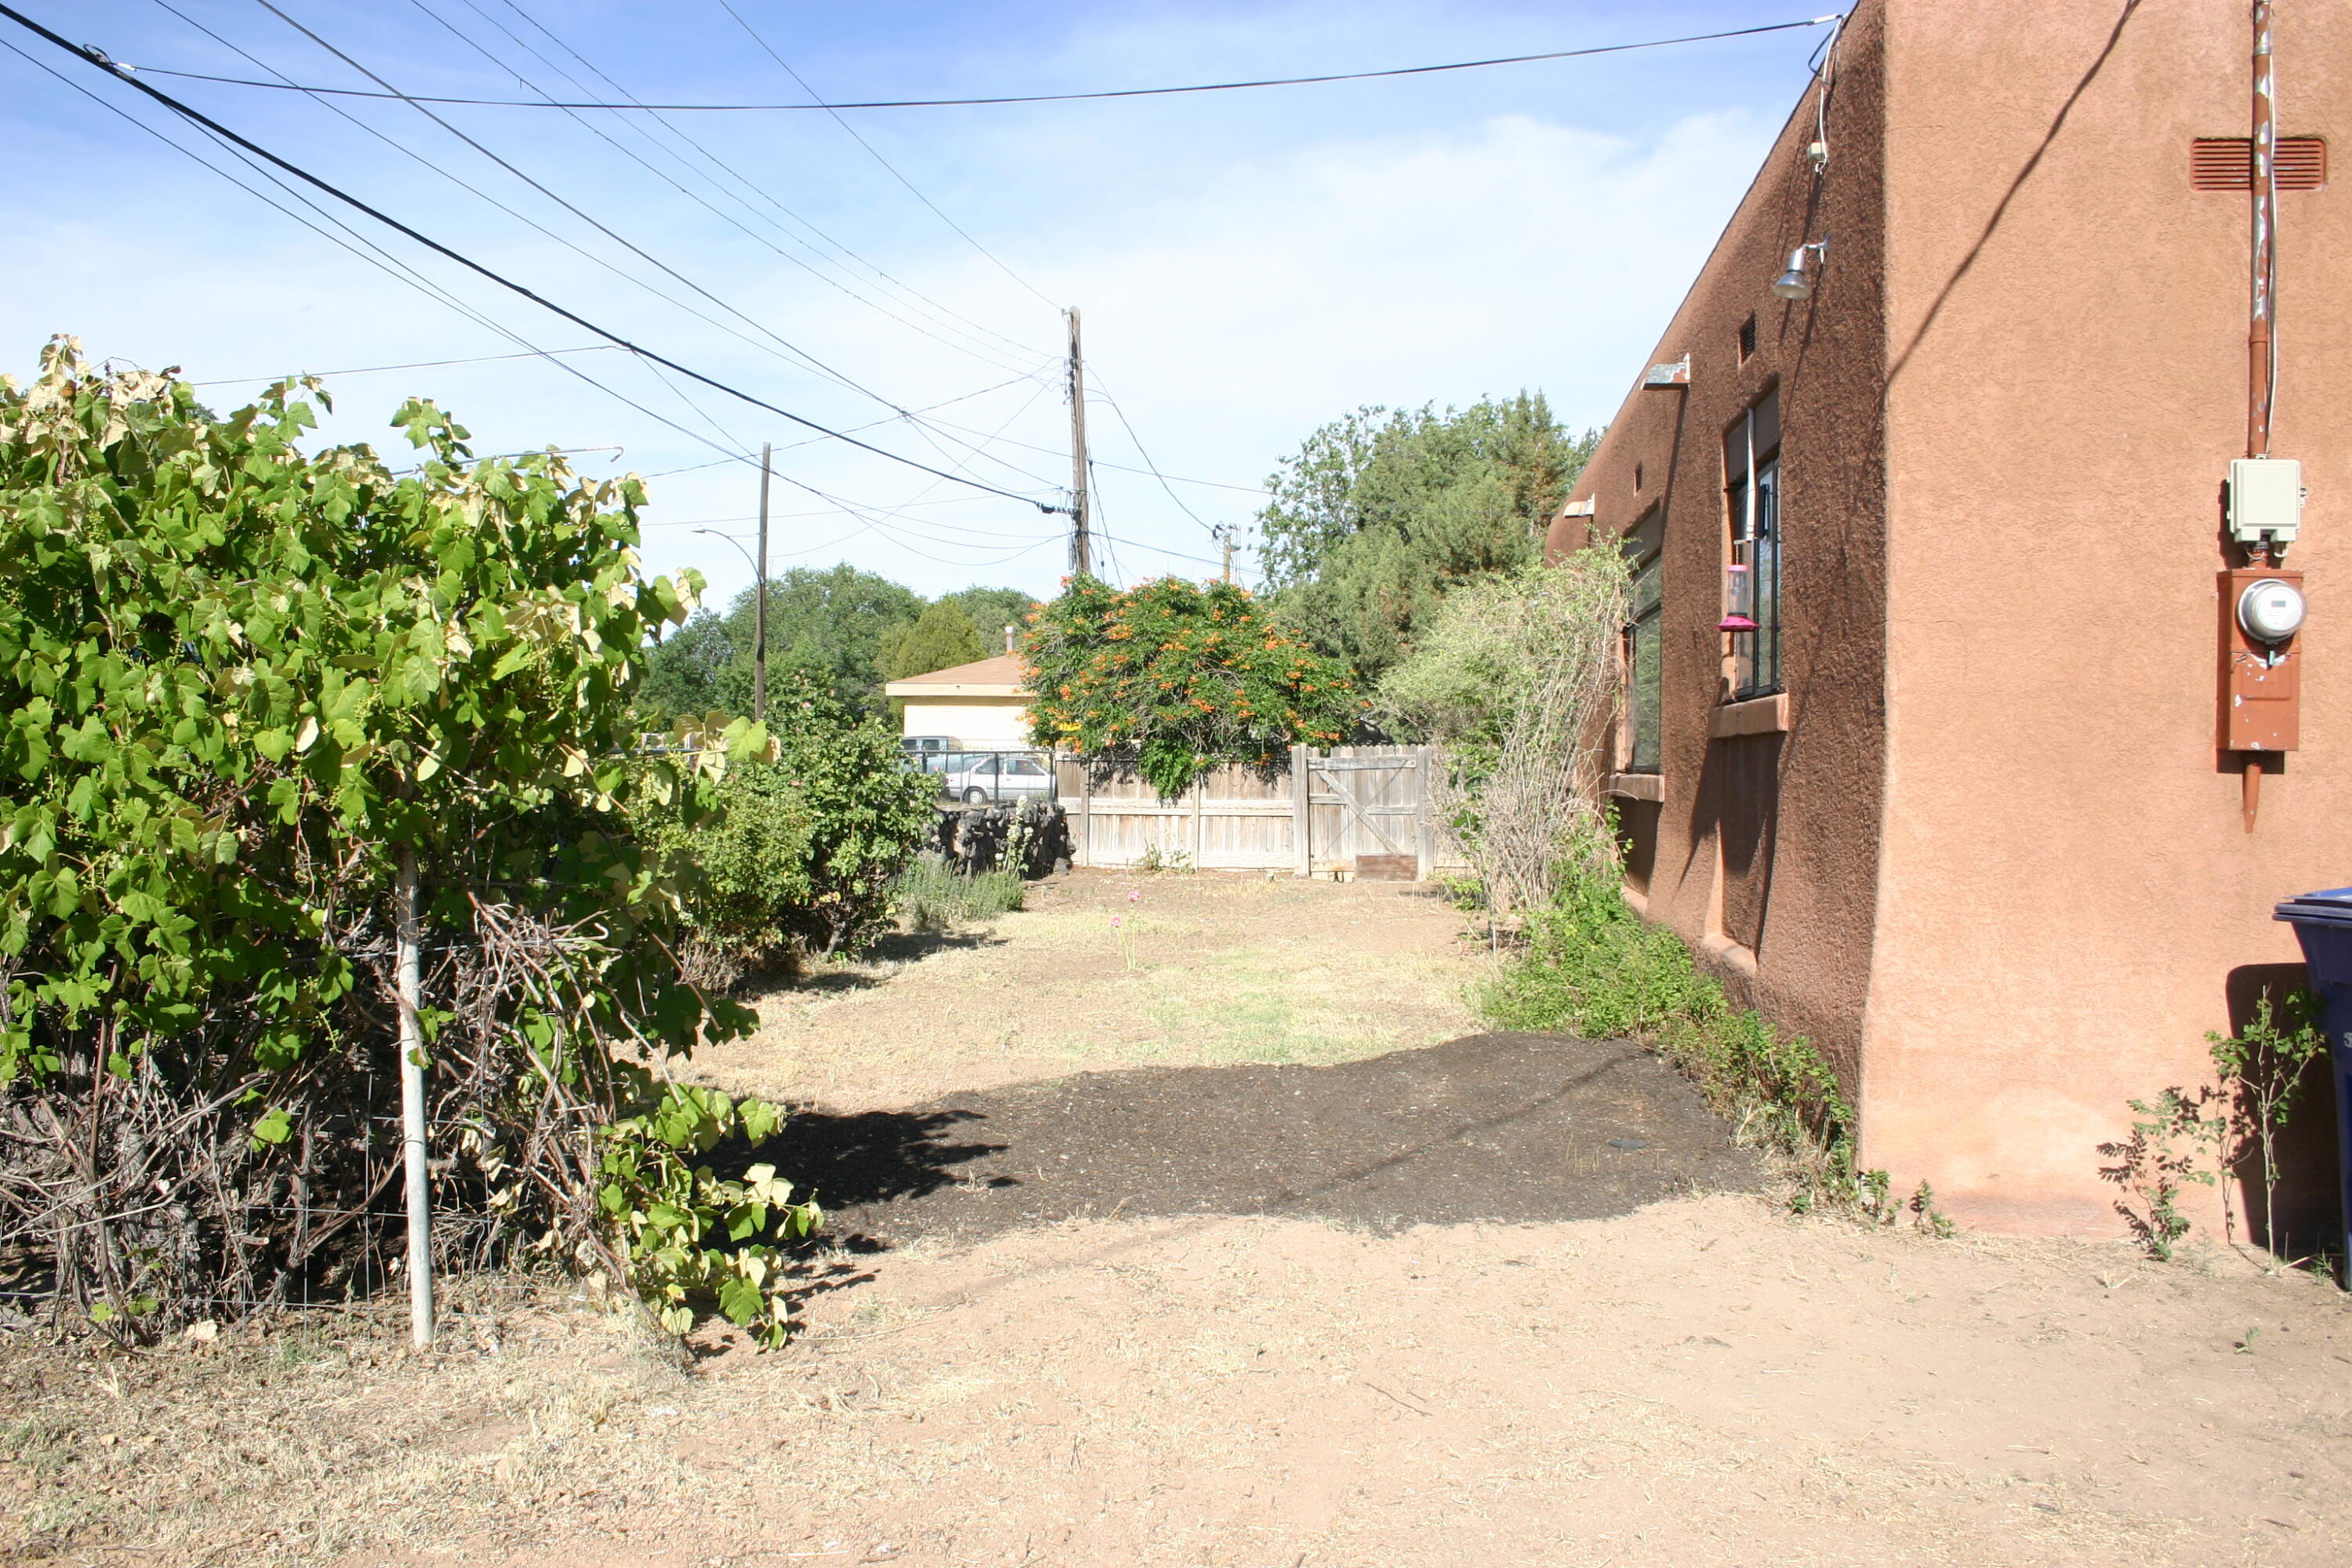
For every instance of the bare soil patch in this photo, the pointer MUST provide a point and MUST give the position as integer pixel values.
(1491, 1127)
(1702, 1383)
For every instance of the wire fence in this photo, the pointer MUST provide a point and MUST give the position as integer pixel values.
(368, 1268)
(983, 777)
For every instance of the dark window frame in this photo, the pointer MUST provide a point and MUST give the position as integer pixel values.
(1644, 646)
(1752, 473)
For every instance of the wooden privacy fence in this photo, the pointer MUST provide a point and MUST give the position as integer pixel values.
(1352, 811)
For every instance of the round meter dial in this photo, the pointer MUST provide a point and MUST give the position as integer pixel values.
(2271, 611)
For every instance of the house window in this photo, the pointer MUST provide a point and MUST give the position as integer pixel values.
(1642, 645)
(1751, 463)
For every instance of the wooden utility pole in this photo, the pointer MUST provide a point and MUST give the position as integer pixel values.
(406, 942)
(1224, 531)
(1082, 554)
(760, 603)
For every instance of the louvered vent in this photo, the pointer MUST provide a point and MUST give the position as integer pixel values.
(2227, 164)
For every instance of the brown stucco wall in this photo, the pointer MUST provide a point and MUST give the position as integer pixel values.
(1810, 892)
(2066, 889)
(2008, 886)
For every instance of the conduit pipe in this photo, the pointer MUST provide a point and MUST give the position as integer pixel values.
(2261, 342)
(2261, 308)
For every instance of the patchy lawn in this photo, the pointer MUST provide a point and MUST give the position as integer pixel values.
(1198, 969)
(1384, 1340)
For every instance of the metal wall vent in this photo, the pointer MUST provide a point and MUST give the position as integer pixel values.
(2227, 164)
(1747, 339)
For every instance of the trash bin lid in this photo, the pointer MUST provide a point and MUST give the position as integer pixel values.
(2328, 907)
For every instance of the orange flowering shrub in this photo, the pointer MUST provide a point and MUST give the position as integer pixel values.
(1186, 675)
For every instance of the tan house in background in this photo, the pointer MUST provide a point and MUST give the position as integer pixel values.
(980, 707)
(1966, 806)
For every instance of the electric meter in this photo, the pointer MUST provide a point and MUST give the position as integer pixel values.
(2271, 611)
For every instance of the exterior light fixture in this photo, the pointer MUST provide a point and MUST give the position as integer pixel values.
(1797, 282)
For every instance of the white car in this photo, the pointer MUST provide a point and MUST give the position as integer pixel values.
(978, 777)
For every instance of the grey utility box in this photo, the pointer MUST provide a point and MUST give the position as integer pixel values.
(2265, 499)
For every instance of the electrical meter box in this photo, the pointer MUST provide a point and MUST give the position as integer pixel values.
(2261, 680)
(2265, 499)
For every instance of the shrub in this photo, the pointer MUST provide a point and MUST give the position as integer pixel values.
(242, 685)
(1517, 676)
(1186, 676)
(1592, 967)
(798, 853)
(690, 1237)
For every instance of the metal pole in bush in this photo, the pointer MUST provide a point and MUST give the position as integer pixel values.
(759, 610)
(412, 1109)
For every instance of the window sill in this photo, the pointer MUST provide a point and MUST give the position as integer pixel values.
(1756, 716)
(1638, 786)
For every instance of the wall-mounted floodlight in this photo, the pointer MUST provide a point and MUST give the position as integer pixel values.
(1797, 282)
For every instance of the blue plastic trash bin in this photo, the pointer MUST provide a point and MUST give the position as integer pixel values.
(2322, 923)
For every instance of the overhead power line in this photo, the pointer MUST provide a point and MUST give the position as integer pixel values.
(99, 62)
(1122, 467)
(1037, 97)
(870, 148)
(418, 364)
(637, 130)
(870, 519)
(1125, 425)
(529, 222)
(793, 349)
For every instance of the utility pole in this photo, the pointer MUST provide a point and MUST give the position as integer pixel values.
(1082, 554)
(1224, 533)
(760, 605)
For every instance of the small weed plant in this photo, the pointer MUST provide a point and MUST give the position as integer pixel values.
(2233, 1123)
(2157, 1163)
(2260, 1071)
(932, 896)
(1156, 859)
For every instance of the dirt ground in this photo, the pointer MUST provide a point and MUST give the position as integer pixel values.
(1031, 1373)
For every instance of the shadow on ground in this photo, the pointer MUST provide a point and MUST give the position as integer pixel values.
(1503, 1127)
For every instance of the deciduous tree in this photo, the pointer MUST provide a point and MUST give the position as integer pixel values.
(1380, 513)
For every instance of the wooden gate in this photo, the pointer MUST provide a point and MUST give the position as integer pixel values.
(1366, 808)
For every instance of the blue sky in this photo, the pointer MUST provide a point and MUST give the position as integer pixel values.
(1249, 264)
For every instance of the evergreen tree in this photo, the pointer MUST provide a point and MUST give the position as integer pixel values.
(943, 637)
(993, 610)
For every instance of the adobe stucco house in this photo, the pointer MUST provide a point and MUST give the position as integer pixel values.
(983, 705)
(1963, 808)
